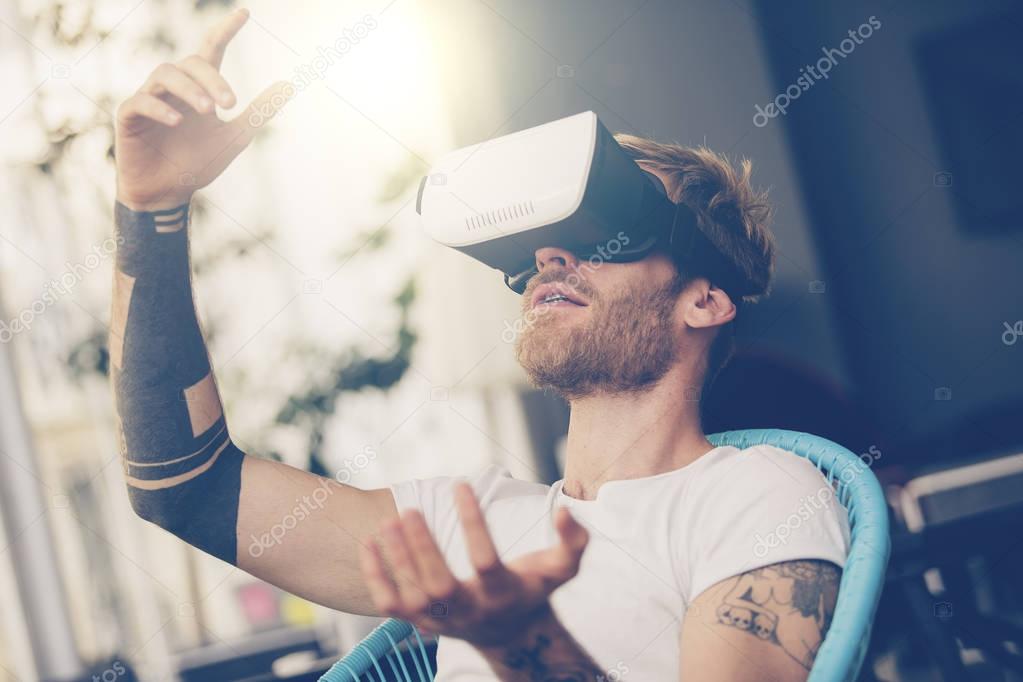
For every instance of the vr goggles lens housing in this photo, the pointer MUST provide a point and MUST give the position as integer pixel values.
(567, 184)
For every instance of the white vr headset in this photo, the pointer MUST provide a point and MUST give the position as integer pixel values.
(566, 183)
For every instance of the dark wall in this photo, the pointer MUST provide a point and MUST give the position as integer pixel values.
(908, 158)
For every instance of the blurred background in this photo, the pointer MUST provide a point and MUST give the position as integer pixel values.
(889, 134)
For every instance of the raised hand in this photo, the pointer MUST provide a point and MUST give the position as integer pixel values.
(488, 610)
(169, 139)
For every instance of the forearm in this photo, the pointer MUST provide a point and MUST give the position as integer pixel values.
(545, 651)
(181, 468)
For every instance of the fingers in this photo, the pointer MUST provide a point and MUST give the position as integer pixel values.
(573, 536)
(142, 105)
(168, 78)
(482, 553)
(216, 40)
(419, 577)
(435, 576)
(406, 573)
(196, 79)
(381, 588)
(560, 563)
(556, 565)
(574, 539)
(200, 71)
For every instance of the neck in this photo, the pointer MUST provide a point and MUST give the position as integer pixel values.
(615, 436)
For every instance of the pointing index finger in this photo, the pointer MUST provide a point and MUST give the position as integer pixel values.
(216, 40)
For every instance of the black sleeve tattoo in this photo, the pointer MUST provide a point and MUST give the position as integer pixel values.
(538, 664)
(183, 471)
(790, 604)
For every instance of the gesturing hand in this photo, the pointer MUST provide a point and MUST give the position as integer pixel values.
(486, 610)
(169, 140)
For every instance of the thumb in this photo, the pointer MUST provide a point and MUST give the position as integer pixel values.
(264, 107)
(574, 537)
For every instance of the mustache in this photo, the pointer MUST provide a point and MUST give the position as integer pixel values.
(560, 275)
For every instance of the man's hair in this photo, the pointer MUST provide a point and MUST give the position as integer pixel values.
(733, 215)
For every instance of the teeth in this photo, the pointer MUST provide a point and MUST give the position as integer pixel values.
(553, 298)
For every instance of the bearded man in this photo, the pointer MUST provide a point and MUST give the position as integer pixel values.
(642, 562)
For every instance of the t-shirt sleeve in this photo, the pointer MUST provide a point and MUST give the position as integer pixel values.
(434, 498)
(762, 506)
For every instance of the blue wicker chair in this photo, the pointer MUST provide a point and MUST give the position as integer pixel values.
(840, 656)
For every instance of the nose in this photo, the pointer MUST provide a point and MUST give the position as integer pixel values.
(555, 256)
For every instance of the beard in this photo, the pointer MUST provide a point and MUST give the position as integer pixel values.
(627, 343)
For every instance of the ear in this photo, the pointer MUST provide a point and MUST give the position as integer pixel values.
(705, 305)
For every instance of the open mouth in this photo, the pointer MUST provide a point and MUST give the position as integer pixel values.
(557, 295)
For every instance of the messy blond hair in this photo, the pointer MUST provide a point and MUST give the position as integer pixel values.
(734, 216)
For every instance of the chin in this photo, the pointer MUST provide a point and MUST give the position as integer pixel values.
(550, 350)
(550, 334)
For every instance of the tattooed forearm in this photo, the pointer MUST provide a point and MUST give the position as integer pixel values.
(547, 653)
(790, 604)
(538, 663)
(183, 471)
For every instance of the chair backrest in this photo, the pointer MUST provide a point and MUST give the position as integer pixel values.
(385, 643)
(841, 654)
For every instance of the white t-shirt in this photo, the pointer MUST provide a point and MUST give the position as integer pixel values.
(655, 544)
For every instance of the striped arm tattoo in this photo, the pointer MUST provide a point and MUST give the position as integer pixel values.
(182, 470)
